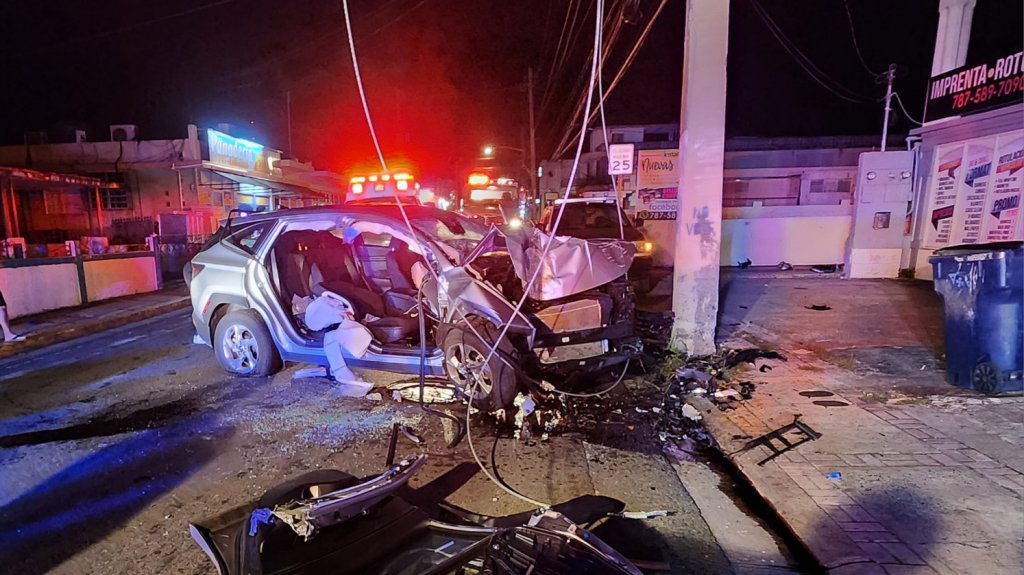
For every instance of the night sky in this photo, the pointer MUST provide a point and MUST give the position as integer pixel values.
(444, 76)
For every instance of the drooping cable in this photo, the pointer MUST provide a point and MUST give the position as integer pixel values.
(529, 285)
(856, 46)
(566, 141)
(568, 188)
(607, 149)
(905, 112)
(362, 92)
(412, 235)
(817, 74)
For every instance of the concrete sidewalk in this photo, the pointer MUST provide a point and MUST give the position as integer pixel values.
(59, 325)
(911, 475)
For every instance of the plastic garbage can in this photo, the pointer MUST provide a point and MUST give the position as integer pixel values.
(982, 288)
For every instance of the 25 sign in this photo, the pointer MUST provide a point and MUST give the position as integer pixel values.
(620, 159)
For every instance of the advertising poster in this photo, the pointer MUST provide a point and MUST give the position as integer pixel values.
(946, 171)
(973, 190)
(657, 184)
(1002, 211)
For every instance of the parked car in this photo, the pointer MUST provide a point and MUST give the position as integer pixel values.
(598, 218)
(248, 286)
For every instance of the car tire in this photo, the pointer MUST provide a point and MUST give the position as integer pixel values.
(243, 345)
(463, 350)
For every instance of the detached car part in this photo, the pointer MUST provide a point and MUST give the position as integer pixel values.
(328, 522)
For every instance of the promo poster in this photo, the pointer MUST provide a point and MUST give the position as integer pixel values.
(1002, 217)
(657, 184)
(945, 177)
(973, 191)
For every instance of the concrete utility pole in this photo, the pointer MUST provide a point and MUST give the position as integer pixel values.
(702, 158)
(533, 143)
(889, 76)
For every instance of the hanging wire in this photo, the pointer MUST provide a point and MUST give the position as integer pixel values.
(856, 46)
(565, 142)
(493, 346)
(905, 112)
(816, 73)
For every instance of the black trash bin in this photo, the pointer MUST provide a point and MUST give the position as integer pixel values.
(982, 288)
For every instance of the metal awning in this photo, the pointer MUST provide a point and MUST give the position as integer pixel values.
(256, 184)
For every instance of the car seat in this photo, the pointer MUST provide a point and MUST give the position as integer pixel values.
(336, 264)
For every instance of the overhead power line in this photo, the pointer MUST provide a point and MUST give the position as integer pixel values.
(123, 29)
(856, 46)
(817, 74)
(565, 142)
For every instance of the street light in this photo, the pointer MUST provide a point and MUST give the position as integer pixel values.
(490, 149)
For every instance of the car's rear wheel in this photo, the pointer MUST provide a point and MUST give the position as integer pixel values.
(493, 384)
(244, 347)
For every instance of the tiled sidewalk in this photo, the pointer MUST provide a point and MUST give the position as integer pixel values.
(911, 497)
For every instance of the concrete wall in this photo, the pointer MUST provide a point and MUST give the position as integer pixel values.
(21, 283)
(113, 276)
(800, 235)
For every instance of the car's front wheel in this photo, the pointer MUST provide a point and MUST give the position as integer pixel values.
(492, 384)
(244, 347)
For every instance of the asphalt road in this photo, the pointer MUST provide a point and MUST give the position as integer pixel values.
(111, 443)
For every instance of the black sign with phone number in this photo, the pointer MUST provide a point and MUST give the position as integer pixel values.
(974, 88)
(645, 215)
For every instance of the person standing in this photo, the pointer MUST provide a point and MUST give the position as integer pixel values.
(5, 326)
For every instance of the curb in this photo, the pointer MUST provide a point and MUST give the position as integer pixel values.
(819, 534)
(44, 339)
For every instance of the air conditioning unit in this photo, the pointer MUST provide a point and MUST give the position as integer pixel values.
(124, 132)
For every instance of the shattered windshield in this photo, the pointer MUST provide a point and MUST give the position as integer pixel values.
(452, 230)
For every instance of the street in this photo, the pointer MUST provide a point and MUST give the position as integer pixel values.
(110, 444)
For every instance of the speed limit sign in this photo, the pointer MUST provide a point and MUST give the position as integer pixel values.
(620, 159)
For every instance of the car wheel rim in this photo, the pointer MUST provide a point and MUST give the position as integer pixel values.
(466, 367)
(240, 349)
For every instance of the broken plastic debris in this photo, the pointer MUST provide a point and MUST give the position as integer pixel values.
(259, 517)
(432, 392)
(690, 412)
(641, 410)
(690, 373)
(785, 266)
(309, 372)
(643, 514)
(833, 476)
(375, 397)
(726, 393)
(699, 391)
(354, 388)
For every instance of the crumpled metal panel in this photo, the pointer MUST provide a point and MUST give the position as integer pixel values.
(571, 266)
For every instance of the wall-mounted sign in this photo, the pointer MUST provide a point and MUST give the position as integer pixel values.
(974, 88)
(975, 191)
(657, 184)
(239, 154)
(620, 159)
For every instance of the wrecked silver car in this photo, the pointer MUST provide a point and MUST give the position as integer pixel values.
(331, 522)
(252, 285)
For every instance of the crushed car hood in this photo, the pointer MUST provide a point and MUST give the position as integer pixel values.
(571, 265)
